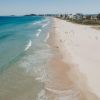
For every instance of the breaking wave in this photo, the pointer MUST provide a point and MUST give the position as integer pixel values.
(28, 45)
(38, 33)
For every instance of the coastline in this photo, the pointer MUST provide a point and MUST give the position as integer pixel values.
(60, 86)
(65, 78)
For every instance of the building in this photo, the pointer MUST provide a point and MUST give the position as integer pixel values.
(94, 17)
(78, 16)
(90, 17)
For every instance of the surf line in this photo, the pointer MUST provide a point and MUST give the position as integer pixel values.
(28, 45)
(38, 33)
(68, 92)
(44, 25)
(37, 22)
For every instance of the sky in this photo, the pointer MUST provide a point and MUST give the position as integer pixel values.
(21, 7)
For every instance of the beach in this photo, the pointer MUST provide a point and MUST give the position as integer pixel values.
(74, 70)
(45, 58)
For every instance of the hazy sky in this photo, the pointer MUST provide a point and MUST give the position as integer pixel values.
(20, 7)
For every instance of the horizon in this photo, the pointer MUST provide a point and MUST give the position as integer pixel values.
(20, 7)
(51, 14)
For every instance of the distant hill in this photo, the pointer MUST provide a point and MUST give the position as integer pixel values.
(31, 15)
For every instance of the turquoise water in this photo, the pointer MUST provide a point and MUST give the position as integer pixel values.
(24, 53)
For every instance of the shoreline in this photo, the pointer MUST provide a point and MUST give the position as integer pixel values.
(60, 85)
(65, 81)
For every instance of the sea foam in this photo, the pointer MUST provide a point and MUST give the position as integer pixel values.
(44, 25)
(38, 33)
(37, 22)
(28, 45)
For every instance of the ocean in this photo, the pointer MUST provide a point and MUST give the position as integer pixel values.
(24, 53)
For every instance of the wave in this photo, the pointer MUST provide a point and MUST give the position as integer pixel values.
(28, 45)
(5, 36)
(37, 22)
(42, 21)
(38, 33)
(39, 30)
(44, 25)
(69, 94)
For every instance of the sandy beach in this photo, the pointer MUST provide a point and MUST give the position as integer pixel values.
(74, 71)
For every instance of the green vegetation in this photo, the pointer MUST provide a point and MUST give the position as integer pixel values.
(88, 20)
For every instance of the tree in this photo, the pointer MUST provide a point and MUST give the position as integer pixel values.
(98, 16)
(88, 17)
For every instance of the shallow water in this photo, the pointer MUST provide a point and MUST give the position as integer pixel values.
(24, 54)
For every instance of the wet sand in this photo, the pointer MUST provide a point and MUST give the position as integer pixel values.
(59, 85)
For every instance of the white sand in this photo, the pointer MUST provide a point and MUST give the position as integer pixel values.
(83, 44)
